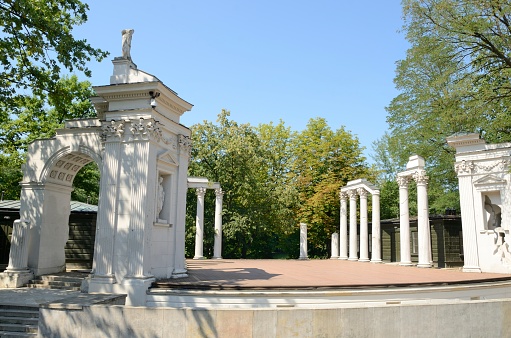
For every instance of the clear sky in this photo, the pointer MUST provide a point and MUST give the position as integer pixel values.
(264, 60)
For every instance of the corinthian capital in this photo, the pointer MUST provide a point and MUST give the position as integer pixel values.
(403, 181)
(420, 177)
(464, 167)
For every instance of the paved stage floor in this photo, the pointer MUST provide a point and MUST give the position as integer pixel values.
(315, 274)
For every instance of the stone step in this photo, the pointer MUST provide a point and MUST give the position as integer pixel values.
(18, 328)
(57, 278)
(17, 334)
(18, 320)
(25, 313)
(57, 287)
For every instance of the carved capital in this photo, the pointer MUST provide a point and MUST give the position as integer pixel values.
(185, 144)
(343, 195)
(403, 181)
(352, 194)
(200, 192)
(420, 177)
(464, 167)
(112, 129)
(219, 192)
(362, 192)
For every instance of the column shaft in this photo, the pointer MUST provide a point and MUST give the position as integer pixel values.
(404, 221)
(303, 241)
(217, 251)
(199, 225)
(375, 229)
(424, 236)
(343, 233)
(364, 231)
(335, 246)
(353, 226)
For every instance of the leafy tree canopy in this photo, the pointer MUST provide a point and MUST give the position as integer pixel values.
(455, 79)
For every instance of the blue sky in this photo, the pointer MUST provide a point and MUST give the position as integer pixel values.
(262, 60)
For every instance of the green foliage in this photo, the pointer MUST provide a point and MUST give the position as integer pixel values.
(32, 118)
(455, 79)
(273, 178)
(37, 45)
(324, 161)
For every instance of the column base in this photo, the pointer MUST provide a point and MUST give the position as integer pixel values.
(303, 258)
(353, 259)
(424, 265)
(179, 273)
(343, 257)
(363, 260)
(15, 279)
(406, 263)
(216, 257)
(334, 257)
(471, 269)
(199, 257)
(376, 261)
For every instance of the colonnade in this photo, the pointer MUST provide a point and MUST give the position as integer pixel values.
(201, 185)
(359, 188)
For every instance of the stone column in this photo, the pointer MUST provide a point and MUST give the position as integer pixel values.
(217, 251)
(335, 246)
(199, 224)
(375, 229)
(343, 233)
(364, 231)
(18, 255)
(107, 209)
(303, 241)
(404, 220)
(353, 226)
(470, 250)
(424, 233)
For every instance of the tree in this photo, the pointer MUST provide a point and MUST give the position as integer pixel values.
(250, 168)
(324, 161)
(31, 118)
(38, 49)
(37, 45)
(454, 79)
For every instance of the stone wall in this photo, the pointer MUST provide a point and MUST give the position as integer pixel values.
(477, 318)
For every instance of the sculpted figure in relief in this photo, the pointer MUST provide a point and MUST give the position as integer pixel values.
(126, 43)
(161, 195)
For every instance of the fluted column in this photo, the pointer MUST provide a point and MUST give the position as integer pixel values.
(343, 233)
(303, 241)
(404, 220)
(199, 224)
(335, 246)
(424, 234)
(18, 255)
(375, 229)
(364, 231)
(353, 226)
(217, 250)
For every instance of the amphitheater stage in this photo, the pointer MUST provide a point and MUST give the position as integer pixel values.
(327, 283)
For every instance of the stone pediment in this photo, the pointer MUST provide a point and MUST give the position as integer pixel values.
(168, 158)
(490, 182)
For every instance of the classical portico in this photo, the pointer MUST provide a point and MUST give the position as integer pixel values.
(201, 185)
(414, 171)
(359, 188)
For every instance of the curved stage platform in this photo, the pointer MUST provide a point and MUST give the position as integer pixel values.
(320, 284)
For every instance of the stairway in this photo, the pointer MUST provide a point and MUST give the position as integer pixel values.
(18, 321)
(62, 281)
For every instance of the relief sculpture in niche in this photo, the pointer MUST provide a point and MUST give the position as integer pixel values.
(493, 214)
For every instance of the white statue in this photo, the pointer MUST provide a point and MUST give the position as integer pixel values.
(161, 195)
(126, 43)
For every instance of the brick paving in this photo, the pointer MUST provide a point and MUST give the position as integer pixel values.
(298, 274)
